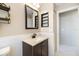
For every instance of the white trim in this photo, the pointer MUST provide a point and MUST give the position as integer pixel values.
(58, 12)
(57, 32)
(68, 9)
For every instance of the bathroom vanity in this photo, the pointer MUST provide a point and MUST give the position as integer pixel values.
(35, 47)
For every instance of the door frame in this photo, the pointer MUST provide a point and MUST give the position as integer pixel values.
(58, 12)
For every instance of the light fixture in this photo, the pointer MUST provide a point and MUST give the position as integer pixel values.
(36, 5)
(33, 5)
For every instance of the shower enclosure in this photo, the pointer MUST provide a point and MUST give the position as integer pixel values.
(68, 32)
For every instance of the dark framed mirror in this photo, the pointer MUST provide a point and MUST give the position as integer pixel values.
(31, 18)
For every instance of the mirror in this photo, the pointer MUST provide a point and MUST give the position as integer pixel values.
(31, 18)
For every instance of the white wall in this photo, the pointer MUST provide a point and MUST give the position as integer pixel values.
(15, 43)
(48, 31)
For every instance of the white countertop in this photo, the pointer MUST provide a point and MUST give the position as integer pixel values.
(34, 41)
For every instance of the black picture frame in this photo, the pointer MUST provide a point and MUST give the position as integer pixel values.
(45, 20)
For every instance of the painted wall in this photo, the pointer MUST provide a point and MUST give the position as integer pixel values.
(48, 31)
(14, 42)
(17, 25)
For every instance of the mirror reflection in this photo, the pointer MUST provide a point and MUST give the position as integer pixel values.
(32, 18)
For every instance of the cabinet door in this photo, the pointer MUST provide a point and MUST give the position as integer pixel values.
(37, 50)
(45, 48)
(27, 49)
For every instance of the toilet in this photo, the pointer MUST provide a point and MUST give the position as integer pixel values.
(5, 51)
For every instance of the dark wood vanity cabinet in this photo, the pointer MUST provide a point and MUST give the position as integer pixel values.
(37, 50)
(45, 48)
(40, 49)
(27, 49)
